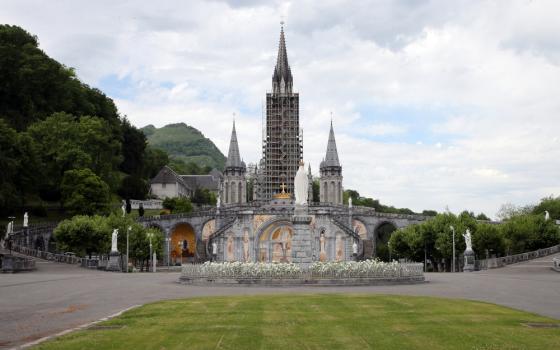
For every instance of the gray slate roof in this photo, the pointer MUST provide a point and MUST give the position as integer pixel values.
(167, 176)
(233, 159)
(331, 158)
(282, 69)
(202, 181)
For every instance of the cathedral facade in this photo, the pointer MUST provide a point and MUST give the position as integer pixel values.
(271, 227)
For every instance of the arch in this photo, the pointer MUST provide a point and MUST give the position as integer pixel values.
(360, 228)
(232, 194)
(208, 228)
(274, 242)
(179, 233)
(332, 194)
(226, 199)
(382, 232)
(325, 197)
(338, 194)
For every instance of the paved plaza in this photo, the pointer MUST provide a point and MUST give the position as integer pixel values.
(57, 297)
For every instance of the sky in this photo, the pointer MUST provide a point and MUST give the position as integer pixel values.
(435, 104)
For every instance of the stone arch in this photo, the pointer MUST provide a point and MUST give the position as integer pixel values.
(325, 191)
(232, 194)
(382, 232)
(332, 194)
(273, 242)
(208, 228)
(360, 228)
(180, 232)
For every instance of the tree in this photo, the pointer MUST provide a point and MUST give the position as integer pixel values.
(83, 192)
(178, 205)
(488, 238)
(203, 196)
(482, 217)
(550, 204)
(154, 160)
(9, 165)
(316, 191)
(133, 186)
(83, 235)
(429, 212)
(133, 150)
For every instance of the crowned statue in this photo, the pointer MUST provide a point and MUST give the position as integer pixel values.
(301, 184)
(114, 238)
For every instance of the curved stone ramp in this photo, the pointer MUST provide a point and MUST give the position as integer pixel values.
(58, 297)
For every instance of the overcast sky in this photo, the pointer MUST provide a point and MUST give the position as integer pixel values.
(435, 103)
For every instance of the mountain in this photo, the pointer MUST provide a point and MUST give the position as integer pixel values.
(185, 143)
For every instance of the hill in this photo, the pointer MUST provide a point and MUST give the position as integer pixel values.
(186, 144)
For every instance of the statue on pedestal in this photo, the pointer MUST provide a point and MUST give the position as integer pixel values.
(468, 240)
(322, 253)
(246, 257)
(25, 220)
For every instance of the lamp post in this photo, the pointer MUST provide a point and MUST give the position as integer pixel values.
(168, 240)
(10, 233)
(150, 258)
(127, 232)
(453, 231)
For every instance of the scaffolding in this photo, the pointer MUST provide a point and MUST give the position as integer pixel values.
(282, 143)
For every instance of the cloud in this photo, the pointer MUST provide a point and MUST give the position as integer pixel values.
(434, 103)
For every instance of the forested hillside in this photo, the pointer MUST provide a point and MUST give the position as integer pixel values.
(186, 146)
(62, 141)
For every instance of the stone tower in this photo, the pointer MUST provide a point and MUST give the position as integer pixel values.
(234, 186)
(331, 174)
(282, 143)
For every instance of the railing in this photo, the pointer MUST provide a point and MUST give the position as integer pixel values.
(61, 258)
(493, 263)
(12, 264)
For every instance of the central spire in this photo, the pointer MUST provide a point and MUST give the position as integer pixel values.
(282, 77)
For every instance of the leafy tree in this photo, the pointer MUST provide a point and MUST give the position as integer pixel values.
(550, 204)
(139, 242)
(133, 186)
(488, 238)
(83, 192)
(177, 205)
(154, 160)
(203, 196)
(316, 191)
(9, 165)
(83, 235)
(133, 150)
(482, 217)
(525, 233)
(429, 212)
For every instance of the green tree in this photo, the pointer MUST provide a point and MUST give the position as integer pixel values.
(83, 192)
(83, 235)
(488, 238)
(482, 217)
(154, 160)
(550, 204)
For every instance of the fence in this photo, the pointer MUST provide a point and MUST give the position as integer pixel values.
(493, 263)
(62, 258)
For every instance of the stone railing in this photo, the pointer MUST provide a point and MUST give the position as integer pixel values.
(556, 264)
(11, 263)
(294, 275)
(61, 258)
(493, 263)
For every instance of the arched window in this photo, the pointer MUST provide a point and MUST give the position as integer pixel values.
(232, 196)
(227, 193)
(239, 192)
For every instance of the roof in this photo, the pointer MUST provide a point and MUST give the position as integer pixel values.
(331, 158)
(209, 182)
(167, 176)
(282, 69)
(233, 159)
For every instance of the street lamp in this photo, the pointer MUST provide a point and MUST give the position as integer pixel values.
(150, 259)
(168, 240)
(453, 231)
(127, 232)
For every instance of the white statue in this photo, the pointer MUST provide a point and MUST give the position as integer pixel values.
(123, 210)
(350, 202)
(546, 215)
(214, 248)
(219, 201)
(114, 240)
(468, 241)
(322, 253)
(25, 220)
(355, 248)
(246, 256)
(301, 184)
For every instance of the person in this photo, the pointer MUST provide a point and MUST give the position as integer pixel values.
(141, 210)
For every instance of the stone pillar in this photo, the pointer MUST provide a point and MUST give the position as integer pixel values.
(302, 251)
(469, 261)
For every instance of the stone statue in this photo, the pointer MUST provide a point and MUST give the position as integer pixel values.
(114, 238)
(339, 244)
(246, 257)
(301, 184)
(546, 215)
(350, 202)
(355, 248)
(25, 220)
(123, 210)
(322, 253)
(219, 201)
(468, 241)
(229, 249)
(214, 248)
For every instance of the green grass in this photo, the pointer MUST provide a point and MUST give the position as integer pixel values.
(318, 321)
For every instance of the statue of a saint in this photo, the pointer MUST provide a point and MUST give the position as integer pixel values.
(246, 257)
(468, 241)
(322, 253)
(301, 184)
(114, 238)
(123, 210)
(219, 201)
(339, 244)
(214, 248)
(355, 248)
(229, 249)
(25, 220)
(546, 215)
(350, 202)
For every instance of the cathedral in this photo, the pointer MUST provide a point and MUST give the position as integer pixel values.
(274, 217)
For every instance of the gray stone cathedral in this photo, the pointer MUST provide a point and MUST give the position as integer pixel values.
(271, 227)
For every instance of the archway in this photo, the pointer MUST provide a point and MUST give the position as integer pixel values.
(275, 243)
(182, 232)
(382, 234)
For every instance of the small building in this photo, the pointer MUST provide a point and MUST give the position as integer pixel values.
(168, 184)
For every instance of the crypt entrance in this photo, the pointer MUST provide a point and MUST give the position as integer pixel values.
(275, 243)
(183, 244)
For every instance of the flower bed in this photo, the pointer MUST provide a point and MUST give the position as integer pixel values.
(328, 273)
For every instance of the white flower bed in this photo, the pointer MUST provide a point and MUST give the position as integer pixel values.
(326, 270)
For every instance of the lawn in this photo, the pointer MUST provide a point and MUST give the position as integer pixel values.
(317, 321)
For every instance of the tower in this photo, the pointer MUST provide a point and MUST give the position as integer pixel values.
(234, 186)
(282, 143)
(331, 174)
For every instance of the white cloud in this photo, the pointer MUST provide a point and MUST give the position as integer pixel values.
(480, 76)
